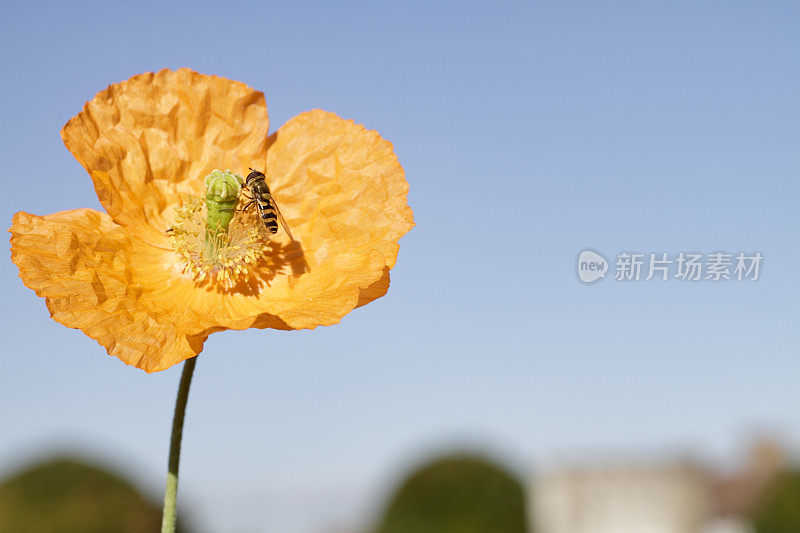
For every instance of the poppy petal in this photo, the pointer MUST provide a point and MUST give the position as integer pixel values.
(149, 139)
(79, 262)
(344, 196)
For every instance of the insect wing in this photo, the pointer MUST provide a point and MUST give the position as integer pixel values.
(280, 216)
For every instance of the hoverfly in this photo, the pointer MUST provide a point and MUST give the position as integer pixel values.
(264, 202)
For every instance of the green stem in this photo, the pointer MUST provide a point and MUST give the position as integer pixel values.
(170, 495)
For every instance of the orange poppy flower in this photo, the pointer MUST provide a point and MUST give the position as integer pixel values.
(141, 279)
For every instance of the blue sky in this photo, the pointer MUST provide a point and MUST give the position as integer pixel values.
(528, 132)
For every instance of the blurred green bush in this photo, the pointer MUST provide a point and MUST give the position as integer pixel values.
(457, 494)
(778, 510)
(66, 495)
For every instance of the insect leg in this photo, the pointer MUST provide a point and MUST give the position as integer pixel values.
(237, 210)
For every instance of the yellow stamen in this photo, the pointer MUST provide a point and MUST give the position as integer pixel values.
(223, 257)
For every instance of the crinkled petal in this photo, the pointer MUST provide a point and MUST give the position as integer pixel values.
(344, 196)
(149, 139)
(79, 261)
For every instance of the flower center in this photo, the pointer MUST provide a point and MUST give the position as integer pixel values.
(216, 244)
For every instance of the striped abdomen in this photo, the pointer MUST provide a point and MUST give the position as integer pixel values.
(267, 212)
(257, 184)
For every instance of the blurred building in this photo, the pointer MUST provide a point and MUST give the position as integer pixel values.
(666, 497)
(735, 494)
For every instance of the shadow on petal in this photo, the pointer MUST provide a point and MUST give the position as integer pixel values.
(376, 290)
(278, 259)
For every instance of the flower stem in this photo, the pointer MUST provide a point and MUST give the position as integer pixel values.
(170, 495)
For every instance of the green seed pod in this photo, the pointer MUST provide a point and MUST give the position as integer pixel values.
(222, 193)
